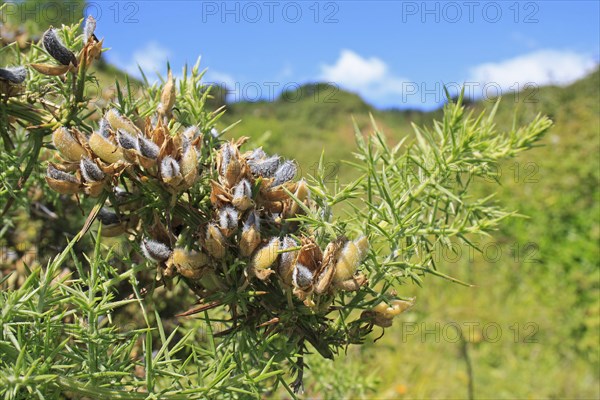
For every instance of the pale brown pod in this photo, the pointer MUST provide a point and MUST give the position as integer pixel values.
(266, 255)
(250, 237)
(215, 242)
(105, 149)
(117, 121)
(189, 264)
(167, 97)
(242, 195)
(62, 182)
(287, 259)
(189, 166)
(68, 144)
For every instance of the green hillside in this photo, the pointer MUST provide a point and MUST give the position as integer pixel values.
(537, 284)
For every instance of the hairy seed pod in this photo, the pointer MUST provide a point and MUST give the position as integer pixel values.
(302, 277)
(215, 241)
(257, 154)
(214, 133)
(287, 259)
(67, 144)
(57, 49)
(189, 264)
(104, 128)
(349, 259)
(265, 168)
(108, 217)
(266, 255)
(117, 121)
(154, 250)
(62, 182)
(126, 141)
(285, 173)
(250, 238)
(90, 170)
(112, 225)
(89, 28)
(148, 148)
(167, 97)
(228, 218)
(189, 165)
(169, 169)
(230, 164)
(242, 195)
(14, 75)
(330, 259)
(104, 148)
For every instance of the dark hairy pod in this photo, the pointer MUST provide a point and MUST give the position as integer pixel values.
(57, 49)
(90, 170)
(126, 141)
(148, 148)
(15, 75)
(155, 251)
(265, 168)
(285, 173)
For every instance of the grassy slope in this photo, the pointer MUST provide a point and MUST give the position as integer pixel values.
(556, 185)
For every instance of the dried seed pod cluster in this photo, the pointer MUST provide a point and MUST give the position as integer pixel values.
(91, 164)
(250, 203)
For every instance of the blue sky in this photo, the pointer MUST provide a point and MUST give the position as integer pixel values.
(393, 53)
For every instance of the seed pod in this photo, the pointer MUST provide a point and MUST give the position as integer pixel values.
(57, 49)
(214, 133)
(266, 256)
(126, 141)
(155, 251)
(285, 173)
(67, 144)
(215, 241)
(242, 195)
(167, 98)
(104, 128)
(62, 182)
(148, 148)
(230, 167)
(170, 171)
(117, 121)
(228, 220)
(104, 148)
(189, 166)
(50, 70)
(90, 170)
(349, 259)
(302, 193)
(256, 154)
(189, 264)
(302, 277)
(330, 259)
(89, 28)
(265, 168)
(14, 75)
(250, 237)
(287, 259)
(112, 225)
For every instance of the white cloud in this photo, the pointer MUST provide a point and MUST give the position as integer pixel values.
(151, 58)
(369, 77)
(543, 67)
(213, 76)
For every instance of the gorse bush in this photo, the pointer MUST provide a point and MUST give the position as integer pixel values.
(268, 269)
